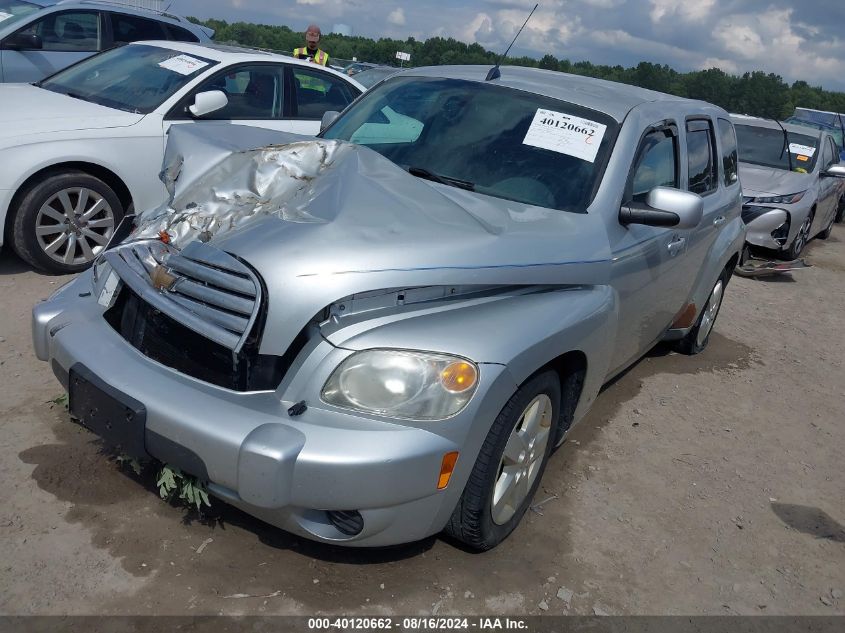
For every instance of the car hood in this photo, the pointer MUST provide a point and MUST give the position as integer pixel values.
(766, 181)
(323, 220)
(28, 110)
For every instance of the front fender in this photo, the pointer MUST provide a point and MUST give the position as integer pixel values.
(523, 332)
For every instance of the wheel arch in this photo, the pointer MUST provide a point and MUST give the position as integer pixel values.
(98, 171)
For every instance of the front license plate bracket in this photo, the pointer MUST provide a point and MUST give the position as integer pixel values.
(117, 418)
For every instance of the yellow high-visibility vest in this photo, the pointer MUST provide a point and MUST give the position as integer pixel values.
(320, 57)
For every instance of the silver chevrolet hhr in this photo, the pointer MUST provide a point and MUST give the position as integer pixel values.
(381, 334)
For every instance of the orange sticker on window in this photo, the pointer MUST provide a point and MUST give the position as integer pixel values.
(803, 159)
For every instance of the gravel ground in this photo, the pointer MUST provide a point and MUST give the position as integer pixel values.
(705, 485)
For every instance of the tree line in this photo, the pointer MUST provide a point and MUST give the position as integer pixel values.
(755, 93)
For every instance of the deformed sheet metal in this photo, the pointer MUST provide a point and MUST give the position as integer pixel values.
(220, 183)
(766, 268)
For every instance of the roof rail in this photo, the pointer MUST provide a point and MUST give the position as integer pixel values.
(151, 6)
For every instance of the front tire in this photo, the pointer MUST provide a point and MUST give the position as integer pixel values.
(699, 336)
(800, 241)
(64, 221)
(509, 466)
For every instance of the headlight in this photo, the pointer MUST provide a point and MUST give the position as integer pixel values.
(790, 198)
(402, 384)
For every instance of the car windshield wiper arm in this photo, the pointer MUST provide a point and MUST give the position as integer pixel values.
(422, 172)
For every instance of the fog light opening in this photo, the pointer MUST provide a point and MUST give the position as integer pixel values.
(348, 522)
(781, 234)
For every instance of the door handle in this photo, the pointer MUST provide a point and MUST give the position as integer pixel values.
(719, 221)
(676, 245)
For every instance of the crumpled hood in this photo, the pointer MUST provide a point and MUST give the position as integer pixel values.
(327, 208)
(324, 220)
(765, 181)
(27, 110)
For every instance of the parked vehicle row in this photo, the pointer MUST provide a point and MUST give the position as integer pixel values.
(791, 181)
(39, 38)
(88, 142)
(383, 332)
(396, 348)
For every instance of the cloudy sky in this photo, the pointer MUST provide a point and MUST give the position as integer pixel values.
(796, 39)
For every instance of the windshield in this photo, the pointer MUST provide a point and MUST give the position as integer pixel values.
(493, 140)
(369, 78)
(136, 78)
(836, 133)
(12, 11)
(764, 146)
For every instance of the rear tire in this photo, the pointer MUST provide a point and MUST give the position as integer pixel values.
(699, 336)
(840, 212)
(63, 221)
(509, 466)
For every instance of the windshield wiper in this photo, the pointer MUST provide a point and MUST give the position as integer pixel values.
(422, 172)
(75, 95)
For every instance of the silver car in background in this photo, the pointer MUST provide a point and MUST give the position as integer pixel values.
(374, 336)
(791, 183)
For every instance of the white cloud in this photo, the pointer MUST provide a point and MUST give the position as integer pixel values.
(688, 10)
(397, 17)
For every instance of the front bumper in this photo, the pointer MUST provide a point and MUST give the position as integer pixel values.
(765, 225)
(286, 471)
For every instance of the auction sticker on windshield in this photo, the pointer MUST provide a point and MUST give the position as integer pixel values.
(4, 16)
(565, 134)
(183, 64)
(804, 150)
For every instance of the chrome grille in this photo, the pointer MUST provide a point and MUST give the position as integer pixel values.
(208, 290)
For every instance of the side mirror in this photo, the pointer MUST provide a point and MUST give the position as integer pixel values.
(665, 206)
(208, 102)
(834, 171)
(23, 42)
(329, 117)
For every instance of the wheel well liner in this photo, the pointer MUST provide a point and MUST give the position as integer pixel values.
(571, 369)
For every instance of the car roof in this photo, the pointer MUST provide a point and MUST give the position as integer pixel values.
(610, 97)
(744, 119)
(224, 53)
(122, 8)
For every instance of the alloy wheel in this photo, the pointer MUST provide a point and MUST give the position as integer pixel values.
(711, 310)
(522, 459)
(74, 225)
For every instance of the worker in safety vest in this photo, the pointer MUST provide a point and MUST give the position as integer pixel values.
(311, 50)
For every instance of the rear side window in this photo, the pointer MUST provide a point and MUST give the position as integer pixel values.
(702, 167)
(68, 31)
(657, 164)
(178, 34)
(827, 156)
(131, 28)
(318, 92)
(727, 136)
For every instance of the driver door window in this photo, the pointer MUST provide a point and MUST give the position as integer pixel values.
(70, 31)
(254, 93)
(657, 164)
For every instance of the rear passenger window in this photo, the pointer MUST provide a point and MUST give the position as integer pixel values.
(727, 135)
(131, 28)
(656, 165)
(702, 167)
(318, 92)
(178, 34)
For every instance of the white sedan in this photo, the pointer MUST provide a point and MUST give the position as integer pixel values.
(80, 148)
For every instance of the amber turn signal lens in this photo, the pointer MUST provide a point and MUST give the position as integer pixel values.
(446, 468)
(458, 377)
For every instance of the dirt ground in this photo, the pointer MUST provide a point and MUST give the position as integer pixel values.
(705, 485)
